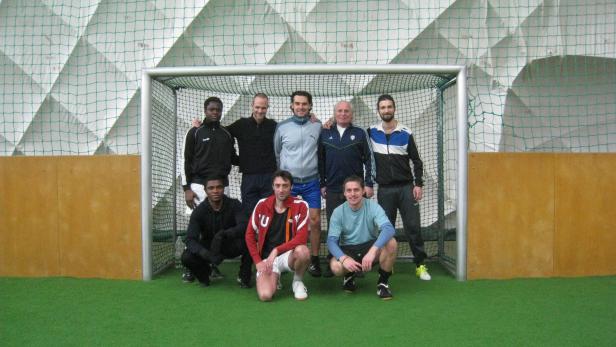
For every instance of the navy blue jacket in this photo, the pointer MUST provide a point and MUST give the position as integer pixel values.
(340, 158)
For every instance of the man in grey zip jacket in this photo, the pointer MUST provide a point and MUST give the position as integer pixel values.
(296, 144)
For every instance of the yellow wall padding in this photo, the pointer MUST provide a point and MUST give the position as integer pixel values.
(70, 216)
(541, 215)
(28, 217)
(585, 231)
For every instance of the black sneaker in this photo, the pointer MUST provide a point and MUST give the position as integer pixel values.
(348, 283)
(243, 283)
(315, 269)
(382, 290)
(204, 284)
(215, 274)
(328, 272)
(188, 277)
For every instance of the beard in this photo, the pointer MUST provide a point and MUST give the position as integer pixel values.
(386, 117)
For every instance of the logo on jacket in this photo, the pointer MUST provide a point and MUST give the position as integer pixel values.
(352, 137)
(263, 220)
(206, 139)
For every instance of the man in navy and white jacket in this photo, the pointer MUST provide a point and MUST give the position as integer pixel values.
(400, 186)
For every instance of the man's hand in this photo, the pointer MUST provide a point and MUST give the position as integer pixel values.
(328, 123)
(190, 196)
(417, 193)
(266, 266)
(350, 264)
(313, 118)
(216, 258)
(369, 192)
(324, 192)
(196, 122)
(262, 267)
(217, 242)
(368, 259)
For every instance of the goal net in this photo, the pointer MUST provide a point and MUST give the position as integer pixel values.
(426, 102)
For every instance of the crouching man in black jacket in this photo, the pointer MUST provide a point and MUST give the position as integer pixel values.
(216, 232)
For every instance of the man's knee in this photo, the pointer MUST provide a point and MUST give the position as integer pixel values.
(301, 253)
(315, 216)
(265, 295)
(391, 247)
(336, 267)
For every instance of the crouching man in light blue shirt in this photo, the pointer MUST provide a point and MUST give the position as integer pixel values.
(355, 242)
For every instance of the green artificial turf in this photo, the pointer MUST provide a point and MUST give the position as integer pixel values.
(165, 311)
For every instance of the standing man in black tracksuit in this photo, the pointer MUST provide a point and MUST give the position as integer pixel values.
(394, 148)
(208, 151)
(255, 140)
(215, 232)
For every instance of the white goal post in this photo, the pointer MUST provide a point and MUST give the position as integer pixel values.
(458, 75)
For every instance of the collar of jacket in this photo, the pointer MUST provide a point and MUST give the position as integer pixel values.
(398, 127)
(222, 204)
(271, 205)
(300, 120)
(212, 125)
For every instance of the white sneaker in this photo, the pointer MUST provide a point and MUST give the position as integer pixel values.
(299, 290)
(422, 273)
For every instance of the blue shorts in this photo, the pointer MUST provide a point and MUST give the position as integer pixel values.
(310, 192)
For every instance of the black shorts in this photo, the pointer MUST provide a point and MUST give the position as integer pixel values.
(358, 251)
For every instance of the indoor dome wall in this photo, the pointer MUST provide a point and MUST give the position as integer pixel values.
(71, 69)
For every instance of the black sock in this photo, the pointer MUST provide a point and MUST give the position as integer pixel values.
(314, 259)
(383, 276)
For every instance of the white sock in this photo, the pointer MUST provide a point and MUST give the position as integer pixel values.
(296, 277)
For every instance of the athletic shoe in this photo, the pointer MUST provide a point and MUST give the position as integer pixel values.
(328, 272)
(299, 290)
(204, 284)
(243, 284)
(215, 274)
(422, 273)
(348, 283)
(382, 290)
(315, 269)
(188, 277)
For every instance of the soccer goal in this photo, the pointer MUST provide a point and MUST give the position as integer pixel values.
(430, 99)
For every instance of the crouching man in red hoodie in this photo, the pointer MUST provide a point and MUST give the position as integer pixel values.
(276, 238)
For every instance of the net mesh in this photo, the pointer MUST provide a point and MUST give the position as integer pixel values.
(421, 104)
(541, 73)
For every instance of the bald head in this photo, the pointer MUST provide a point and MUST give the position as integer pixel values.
(343, 112)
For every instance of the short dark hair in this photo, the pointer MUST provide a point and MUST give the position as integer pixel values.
(285, 175)
(210, 100)
(302, 93)
(216, 177)
(353, 178)
(385, 97)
